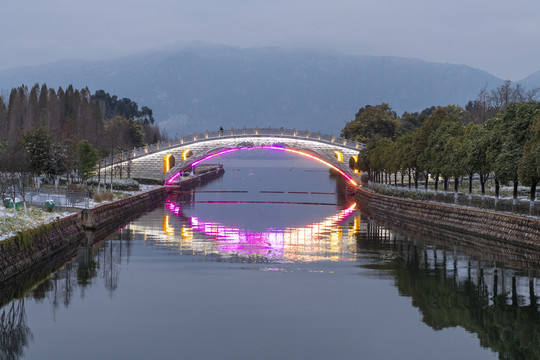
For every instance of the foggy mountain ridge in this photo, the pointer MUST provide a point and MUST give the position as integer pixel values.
(201, 88)
(532, 81)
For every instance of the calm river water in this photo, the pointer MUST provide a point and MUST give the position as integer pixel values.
(272, 261)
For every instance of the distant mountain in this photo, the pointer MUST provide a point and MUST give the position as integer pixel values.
(532, 81)
(204, 87)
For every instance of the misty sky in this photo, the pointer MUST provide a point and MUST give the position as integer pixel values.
(497, 36)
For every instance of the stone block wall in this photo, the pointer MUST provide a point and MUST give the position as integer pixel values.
(489, 227)
(118, 211)
(16, 256)
(20, 253)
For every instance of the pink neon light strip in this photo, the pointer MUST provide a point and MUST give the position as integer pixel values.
(211, 156)
(351, 180)
(219, 153)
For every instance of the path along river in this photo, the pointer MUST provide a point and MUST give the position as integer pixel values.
(272, 261)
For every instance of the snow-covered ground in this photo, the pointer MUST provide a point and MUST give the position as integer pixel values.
(33, 217)
(23, 220)
(123, 194)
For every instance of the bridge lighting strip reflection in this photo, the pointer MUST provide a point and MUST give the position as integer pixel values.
(278, 148)
(273, 243)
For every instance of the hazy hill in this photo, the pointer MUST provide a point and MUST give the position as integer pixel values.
(205, 87)
(532, 81)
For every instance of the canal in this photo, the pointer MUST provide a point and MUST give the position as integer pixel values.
(271, 261)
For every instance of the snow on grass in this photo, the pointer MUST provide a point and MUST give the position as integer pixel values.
(36, 217)
(122, 194)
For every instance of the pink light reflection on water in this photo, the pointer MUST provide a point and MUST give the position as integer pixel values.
(242, 241)
(175, 209)
(272, 243)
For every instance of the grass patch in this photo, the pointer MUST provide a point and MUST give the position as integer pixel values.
(24, 239)
(103, 196)
(24, 221)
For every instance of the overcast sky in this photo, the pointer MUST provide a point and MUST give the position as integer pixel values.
(501, 37)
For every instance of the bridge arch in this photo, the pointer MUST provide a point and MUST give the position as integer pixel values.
(148, 162)
(168, 162)
(221, 152)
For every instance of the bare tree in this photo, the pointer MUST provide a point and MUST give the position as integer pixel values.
(505, 94)
(15, 334)
(490, 103)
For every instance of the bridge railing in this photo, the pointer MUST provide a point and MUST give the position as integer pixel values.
(228, 133)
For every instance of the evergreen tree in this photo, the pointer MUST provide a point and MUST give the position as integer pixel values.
(37, 144)
(3, 120)
(372, 122)
(529, 164)
(43, 111)
(87, 157)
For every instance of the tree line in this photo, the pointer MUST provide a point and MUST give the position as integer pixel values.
(496, 136)
(77, 114)
(48, 132)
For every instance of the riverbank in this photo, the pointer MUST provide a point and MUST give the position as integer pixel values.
(33, 245)
(35, 216)
(26, 220)
(517, 231)
(29, 247)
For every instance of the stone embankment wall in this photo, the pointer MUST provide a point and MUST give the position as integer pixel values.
(475, 227)
(21, 252)
(29, 248)
(119, 211)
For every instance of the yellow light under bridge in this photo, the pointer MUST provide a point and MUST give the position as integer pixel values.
(355, 158)
(185, 154)
(168, 163)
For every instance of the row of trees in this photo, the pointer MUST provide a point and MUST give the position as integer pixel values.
(75, 114)
(444, 143)
(37, 155)
(47, 133)
(378, 121)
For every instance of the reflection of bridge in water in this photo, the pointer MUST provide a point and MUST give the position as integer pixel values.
(344, 236)
(330, 239)
(165, 159)
(298, 243)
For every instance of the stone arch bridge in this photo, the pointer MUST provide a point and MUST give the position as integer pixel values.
(166, 159)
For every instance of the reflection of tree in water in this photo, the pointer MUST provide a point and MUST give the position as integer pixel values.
(87, 267)
(14, 332)
(110, 260)
(99, 261)
(450, 290)
(113, 254)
